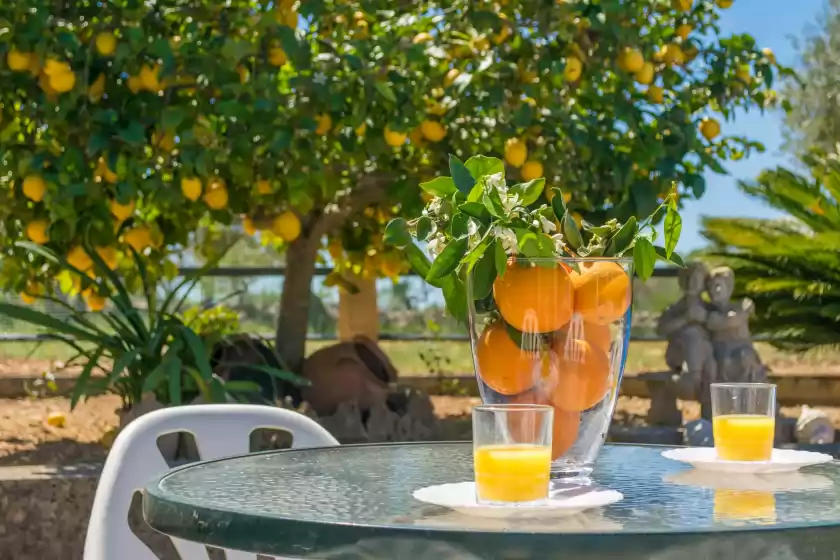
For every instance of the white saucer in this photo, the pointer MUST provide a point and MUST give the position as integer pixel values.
(461, 497)
(782, 460)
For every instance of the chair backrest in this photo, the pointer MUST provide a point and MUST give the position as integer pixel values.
(220, 430)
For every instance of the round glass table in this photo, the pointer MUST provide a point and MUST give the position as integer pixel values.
(356, 502)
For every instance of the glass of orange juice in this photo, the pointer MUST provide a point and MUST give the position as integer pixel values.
(512, 452)
(744, 420)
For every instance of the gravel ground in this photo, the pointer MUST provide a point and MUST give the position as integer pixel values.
(27, 439)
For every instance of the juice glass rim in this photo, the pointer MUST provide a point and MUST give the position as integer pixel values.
(520, 258)
(511, 407)
(744, 385)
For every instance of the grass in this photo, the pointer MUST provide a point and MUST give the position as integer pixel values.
(453, 358)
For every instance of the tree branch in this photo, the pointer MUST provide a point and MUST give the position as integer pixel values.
(370, 189)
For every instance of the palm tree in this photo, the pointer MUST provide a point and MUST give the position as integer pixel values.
(790, 268)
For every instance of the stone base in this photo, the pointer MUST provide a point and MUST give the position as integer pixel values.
(656, 435)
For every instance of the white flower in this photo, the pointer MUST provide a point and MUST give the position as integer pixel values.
(548, 226)
(507, 239)
(510, 202)
(497, 181)
(436, 245)
(558, 242)
(434, 205)
(472, 227)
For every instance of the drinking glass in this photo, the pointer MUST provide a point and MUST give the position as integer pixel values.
(555, 331)
(744, 420)
(512, 452)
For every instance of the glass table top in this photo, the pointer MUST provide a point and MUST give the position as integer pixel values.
(315, 502)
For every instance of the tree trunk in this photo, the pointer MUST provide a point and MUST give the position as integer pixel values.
(293, 318)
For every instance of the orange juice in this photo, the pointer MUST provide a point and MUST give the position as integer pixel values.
(512, 473)
(744, 437)
(744, 505)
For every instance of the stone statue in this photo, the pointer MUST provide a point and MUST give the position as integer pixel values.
(690, 349)
(729, 326)
(709, 339)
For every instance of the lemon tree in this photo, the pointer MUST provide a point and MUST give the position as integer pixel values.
(132, 124)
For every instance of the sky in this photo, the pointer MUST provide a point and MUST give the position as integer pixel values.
(773, 23)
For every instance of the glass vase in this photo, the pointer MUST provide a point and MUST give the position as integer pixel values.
(555, 331)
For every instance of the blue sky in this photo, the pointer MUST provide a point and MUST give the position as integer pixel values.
(773, 23)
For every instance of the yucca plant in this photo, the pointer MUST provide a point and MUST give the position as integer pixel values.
(790, 268)
(139, 349)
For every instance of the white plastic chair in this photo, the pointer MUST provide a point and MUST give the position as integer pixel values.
(220, 430)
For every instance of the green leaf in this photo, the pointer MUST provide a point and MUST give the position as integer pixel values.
(459, 225)
(447, 261)
(673, 259)
(198, 350)
(423, 229)
(622, 239)
(173, 373)
(455, 296)
(500, 257)
(155, 376)
(464, 182)
(557, 204)
(419, 262)
(529, 192)
(84, 377)
(484, 273)
(385, 91)
(476, 210)
(396, 233)
(528, 244)
(441, 186)
(696, 183)
(173, 117)
(493, 203)
(134, 134)
(479, 166)
(571, 231)
(50, 323)
(673, 228)
(644, 257)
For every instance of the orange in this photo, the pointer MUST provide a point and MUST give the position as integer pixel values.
(534, 299)
(599, 336)
(602, 292)
(502, 364)
(564, 432)
(580, 375)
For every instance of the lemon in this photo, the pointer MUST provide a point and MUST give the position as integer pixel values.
(27, 298)
(324, 124)
(109, 255)
(724, 4)
(277, 56)
(516, 152)
(264, 186)
(139, 238)
(287, 17)
(433, 131)
(248, 226)
(97, 89)
(36, 231)
(391, 265)
(645, 73)
(62, 83)
(682, 5)
(244, 74)
(709, 128)
(216, 196)
(656, 94)
(103, 172)
(451, 76)
(94, 301)
(422, 38)
(18, 61)
(362, 30)
(531, 170)
(78, 258)
(120, 211)
(768, 54)
(683, 31)
(743, 74)
(191, 188)
(672, 54)
(286, 226)
(56, 419)
(34, 188)
(134, 84)
(106, 43)
(394, 138)
(633, 60)
(149, 78)
(361, 129)
(573, 69)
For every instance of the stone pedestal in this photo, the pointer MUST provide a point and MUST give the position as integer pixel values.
(664, 391)
(358, 314)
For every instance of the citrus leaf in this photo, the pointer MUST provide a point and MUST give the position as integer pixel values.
(385, 91)
(447, 261)
(396, 233)
(673, 228)
(571, 231)
(440, 186)
(644, 257)
(557, 203)
(464, 182)
(623, 238)
(479, 166)
(484, 273)
(501, 258)
(455, 296)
